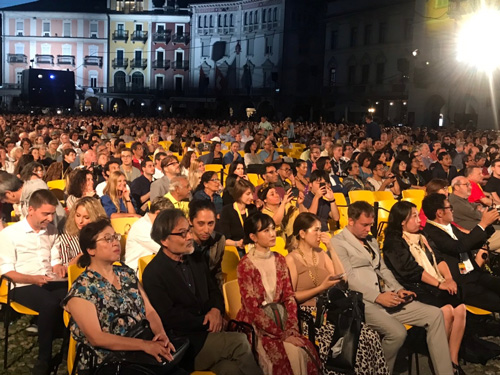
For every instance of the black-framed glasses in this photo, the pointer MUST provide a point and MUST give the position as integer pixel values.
(450, 207)
(182, 233)
(173, 163)
(110, 238)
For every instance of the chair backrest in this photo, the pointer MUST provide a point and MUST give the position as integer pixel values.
(57, 184)
(362, 195)
(213, 167)
(417, 202)
(122, 224)
(230, 261)
(253, 178)
(342, 207)
(279, 247)
(232, 298)
(414, 193)
(384, 207)
(383, 196)
(142, 263)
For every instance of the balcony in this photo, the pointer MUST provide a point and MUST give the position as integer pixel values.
(161, 64)
(139, 36)
(44, 59)
(65, 60)
(120, 35)
(139, 63)
(16, 58)
(250, 28)
(180, 64)
(92, 61)
(119, 63)
(206, 30)
(162, 37)
(181, 38)
(225, 30)
(270, 25)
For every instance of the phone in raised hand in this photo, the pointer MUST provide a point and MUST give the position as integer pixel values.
(337, 277)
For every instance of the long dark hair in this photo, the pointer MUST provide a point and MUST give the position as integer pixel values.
(400, 212)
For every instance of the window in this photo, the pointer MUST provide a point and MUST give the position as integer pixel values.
(256, 17)
(250, 46)
(120, 30)
(441, 3)
(231, 20)
(160, 58)
(219, 21)
(178, 84)
(368, 34)
(365, 74)
(94, 50)
(380, 73)
(93, 75)
(245, 19)
(269, 45)
(382, 32)
(138, 56)
(199, 22)
(333, 76)
(211, 21)
(137, 81)
(19, 77)
(354, 34)
(19, 49)
(119, 57)
(263, 16)
(93, 29)
(46, 28)
(205, 48)
(275, 15)
(67, 29)
(250, 19)
(205, 21)
(45, 49)
(351, 75)
(66, 49)
(20, 27)
(159, 82)
(225, 20)
(334, 38)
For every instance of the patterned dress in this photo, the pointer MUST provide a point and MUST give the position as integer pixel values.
(109, 303)
(253, 295)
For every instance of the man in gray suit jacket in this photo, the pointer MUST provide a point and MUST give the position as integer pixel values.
(170, 167)
(385, 308)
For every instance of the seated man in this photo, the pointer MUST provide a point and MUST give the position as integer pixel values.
(378, 182)
(189, 303)
(268, 154)
(171, 168)
(208, 243)
(179, 191)
(382, 294)
(466, 214)
(286, 179)
(444, 168)
(28, 257)
(270, 176)
(324, 164)
(131, 172)
(479, 288)
(233, 155)
(320, 200)
(477, 195)
(139, 242)
(141, 186)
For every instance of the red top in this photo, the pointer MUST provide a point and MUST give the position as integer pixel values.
(476, 192)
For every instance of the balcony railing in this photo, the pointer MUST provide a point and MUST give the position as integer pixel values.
(139, 36)
(225, 30)
(181, 38)
(139, 63)
(161, 64)
(250, 28)
(120, 35)
(44, 59)
(66, 60)
(206, 30)
(120, 63)
(180, 64)
(93, 60)
(16, 58)
(162, 37)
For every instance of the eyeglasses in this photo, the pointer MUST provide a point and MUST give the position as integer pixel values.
(450, 207)
(183, 233)
(173, 163)
(467, 184)
(110, 239)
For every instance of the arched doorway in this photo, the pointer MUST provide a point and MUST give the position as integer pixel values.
(120, 81)
(137, 81)
(433, 111)
(118, 106)
(91, 104)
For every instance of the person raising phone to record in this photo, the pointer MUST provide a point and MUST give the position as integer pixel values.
(319, 199)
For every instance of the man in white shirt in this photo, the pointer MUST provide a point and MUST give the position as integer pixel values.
(28, 257)
(139, 242)
(109, 167)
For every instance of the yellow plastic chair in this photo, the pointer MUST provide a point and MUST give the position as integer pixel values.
(122, 225)
(279, 247)
(6, 290)
(417, 202)
(230, 261)
(477, 311)
(362, 195)
(323, 246)
(384, 207)
(142, 263)
(414, 193)
(232, 298)
(57, 184)
(213, 167)
(383, 196)
(342, 207)
(254, 178)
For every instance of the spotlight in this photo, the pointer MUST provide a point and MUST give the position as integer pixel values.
(427, 63)
(415, 53)
(376, 103)
(404, 103)
(40, 76)
(371, 110)
(391, 103)
(52, 76)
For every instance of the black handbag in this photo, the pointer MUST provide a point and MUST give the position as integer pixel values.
(345, 310)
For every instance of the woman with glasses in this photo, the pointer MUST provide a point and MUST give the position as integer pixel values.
(116, 200)
(233, 215)
(102, 292)
(417, 181)
(209, 189)
(418, 268)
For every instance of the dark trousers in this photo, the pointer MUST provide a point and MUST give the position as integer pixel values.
(484, 293)
(46, 300)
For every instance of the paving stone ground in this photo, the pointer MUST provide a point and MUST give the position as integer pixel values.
(23, 348)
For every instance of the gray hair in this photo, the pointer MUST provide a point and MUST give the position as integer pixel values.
(9, 182)
(176, 182)
(456, 181)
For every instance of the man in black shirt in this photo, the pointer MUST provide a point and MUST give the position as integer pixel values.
(493, 184)
(141, 186)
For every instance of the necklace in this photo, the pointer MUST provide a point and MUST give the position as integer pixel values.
(313, 276)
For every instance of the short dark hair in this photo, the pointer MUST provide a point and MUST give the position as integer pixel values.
(494, 162)
(42, 196)
(145, 161)
(169, 159)
(135, 145)
(164, 223)
(198, 205)
(441, 155)
(254, 224)
(267, 165)
(432, 203)
(87, 239)
(159, 155)
(318, 174)
(68, 151)
(9, 182)
(360, 207)
(375, 163)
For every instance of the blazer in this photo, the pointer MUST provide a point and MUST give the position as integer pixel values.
(159, 188)
(181, 311)
(450, 249)
(230, 223)
(363, 272)
(438, 172)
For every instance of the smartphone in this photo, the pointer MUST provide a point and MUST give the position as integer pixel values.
(408, 298)
(322, 185)
(295, 192)
(337, 277)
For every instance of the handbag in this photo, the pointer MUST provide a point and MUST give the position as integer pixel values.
(277, 312)
(345, 310)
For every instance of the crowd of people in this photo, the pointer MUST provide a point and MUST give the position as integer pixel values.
(160, 172)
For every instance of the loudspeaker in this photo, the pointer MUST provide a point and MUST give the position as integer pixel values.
(218, 50)
(48, 88)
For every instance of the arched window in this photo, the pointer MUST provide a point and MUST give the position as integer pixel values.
(211, 21)
(219, 20)
(250, 21)
(120, 81)
(199, 21)
(256, 19)
(137, 81)
(245, 18)
(269, 16)
(231, 20)
(263, 16)
(275, 14)
(205, 21)
(225, 20)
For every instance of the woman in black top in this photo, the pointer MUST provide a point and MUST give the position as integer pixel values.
(417, 181)
(418, 268)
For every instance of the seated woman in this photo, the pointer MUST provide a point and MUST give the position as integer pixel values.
(186, 161)
(251, 153)
(311, 270)
(233, 216)
(353, 181)
(32, 171)
(85, 210)
(238, 168)
(263, 279)
(364, 160)
(227, 193)
(417, 181)
(415, 265)
(80, 184)
(214, 156)
(208, 189)
(301, 180)
(116, 199)
(196, 170)
(102, 292)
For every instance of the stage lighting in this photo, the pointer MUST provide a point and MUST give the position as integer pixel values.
(52, 76)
